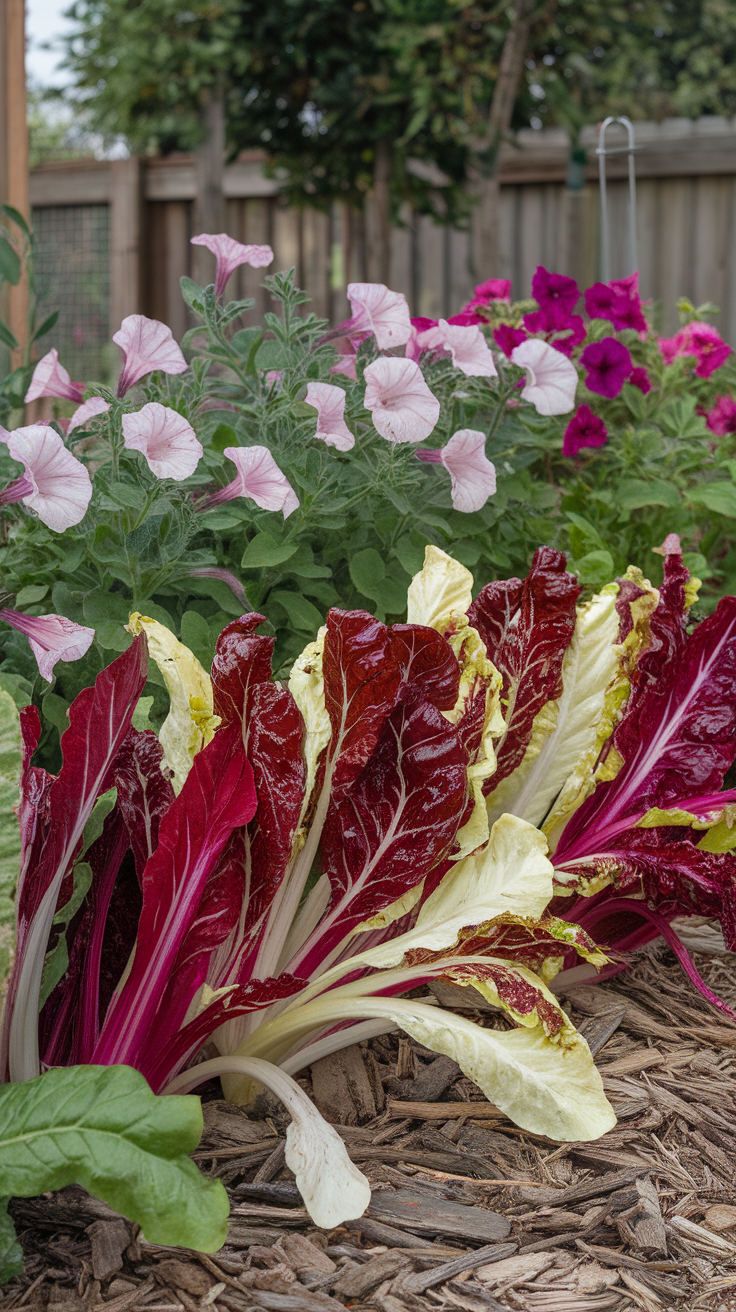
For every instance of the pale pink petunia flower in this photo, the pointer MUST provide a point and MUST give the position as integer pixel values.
(51, 379)
(345, 365)
(230, 254)
(469, 349)
(553, 379)
(91, 409)
(52, 637)
(165, 438)
(425, 336)
(329, 402)
(55, 484)
(258, 478)
(378, 310)
(404, 409)
(473, 476)
(146, 345)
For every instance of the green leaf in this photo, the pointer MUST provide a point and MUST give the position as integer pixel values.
(9, 262)
(11, 1253)
(100, 605)
(217, 519)
(7, 338)
(271, 355)
(32, 593)
(55, 711)
(720, 497)
(20, 689)
(633, 493)
(302, 613)
(223, 436)
(595, 568)
(17, 218)
(124, 494)
(193, 294)
(112, 635)
(263, 551)
(195, 634)
(142, 714)
(46, 326)
(101, 1127)
(368, 573)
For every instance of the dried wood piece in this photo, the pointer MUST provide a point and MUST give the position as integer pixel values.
(424, 1280)
(430, 1083)
(381, 1233)
(442, 1111)
(458, 997)
(223, 1121)
(597, 1187)
(305, 1258)
(721, 1216)
(109, 1240)
(278, 1191)
(446, 1161)
(341, 1088)
(594, 1001)
(641, 1059)
(512, 1270)
(638, 1219)
(272, 1165)
(597, 1030)
(303, 1300)
(406, 1068)
(361, 1280)
(700, 1240)
(420, 1210)
(183, 1275)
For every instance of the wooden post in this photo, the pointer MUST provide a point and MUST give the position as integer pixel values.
(14, 148)
(209, 205)
(125, 239)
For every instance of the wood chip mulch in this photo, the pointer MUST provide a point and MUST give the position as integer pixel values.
(468, 1211)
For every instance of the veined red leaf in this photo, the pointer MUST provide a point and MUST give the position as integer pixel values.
(242, 661)
(677, 736)
(99, 720)
(392, 825)
(144, 793)
(426, 659)
(218, 796)
(361, 681)
(527, 628)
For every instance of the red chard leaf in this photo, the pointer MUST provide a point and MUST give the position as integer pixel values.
(144, 792)
(242, 661)
(527, 628)
(361, 681)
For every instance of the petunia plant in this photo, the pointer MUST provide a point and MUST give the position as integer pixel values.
(190, 491)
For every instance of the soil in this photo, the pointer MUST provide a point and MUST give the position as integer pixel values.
(468, 1211)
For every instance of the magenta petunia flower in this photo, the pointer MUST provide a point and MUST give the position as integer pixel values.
(378, 311)
(403, 407)
(230, 254)
(618, 301)
(55, 484)
(640, 378)
(554, 290)
(466, 318)
(166, 440)
(722, 418)
(608, 365)
(84, 414)
(329, 402)
(146, 344)
(701, 340)
(493, 289)
(584, 429)
(259, 478)
(52, 638)
(599, 300)
(506, 337)
(473, 475)
(51, 379)
(424, 336)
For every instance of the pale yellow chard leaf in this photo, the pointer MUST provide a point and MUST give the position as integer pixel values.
(307, 687)
(721, 836)
(190, 724)
(10, 765)
(566, 731)
(511, 874)
(442, 589)
(583, 778)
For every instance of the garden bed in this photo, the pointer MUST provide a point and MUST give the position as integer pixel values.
(468, 1211)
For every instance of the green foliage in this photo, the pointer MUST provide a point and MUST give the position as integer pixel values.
(103, 1128)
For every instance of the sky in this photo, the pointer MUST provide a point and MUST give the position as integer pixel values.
(44, 24)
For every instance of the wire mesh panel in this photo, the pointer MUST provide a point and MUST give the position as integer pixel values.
(73, 277)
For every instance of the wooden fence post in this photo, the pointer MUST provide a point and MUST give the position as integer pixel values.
(14, 147)
(125, 239)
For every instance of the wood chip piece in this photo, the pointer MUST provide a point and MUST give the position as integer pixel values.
(341, 1088)
(109, 1240)
(425, 1212)
(357, 1281)
(188, 1276)
(722, 1216)
(305, 1258)
(637, 1216)
(424, 1280)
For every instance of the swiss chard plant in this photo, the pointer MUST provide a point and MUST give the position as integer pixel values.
(193, 491)
(466, 796)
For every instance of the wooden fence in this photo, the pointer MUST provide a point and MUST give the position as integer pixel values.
(686, 216)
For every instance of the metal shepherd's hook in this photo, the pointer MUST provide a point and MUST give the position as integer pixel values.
(603, 155)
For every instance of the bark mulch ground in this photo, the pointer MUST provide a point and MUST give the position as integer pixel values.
(468, 1211)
